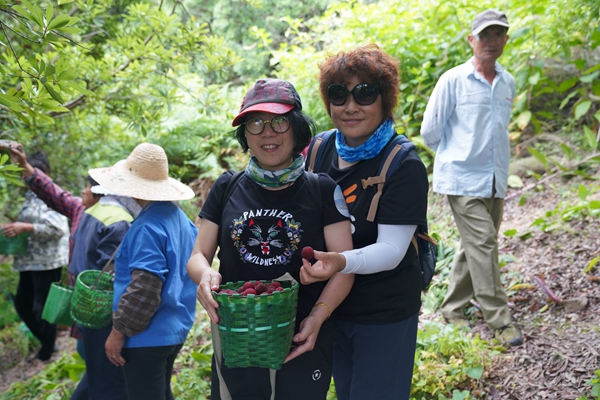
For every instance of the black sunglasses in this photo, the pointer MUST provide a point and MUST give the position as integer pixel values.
(363, 93)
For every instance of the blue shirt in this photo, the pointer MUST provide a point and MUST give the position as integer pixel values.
(160, 241)
(466, 123)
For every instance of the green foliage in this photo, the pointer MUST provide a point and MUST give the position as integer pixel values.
(447, 359)
(594, 382)
(8, 284)
(9, 171)
(56, 381)
(567, 211)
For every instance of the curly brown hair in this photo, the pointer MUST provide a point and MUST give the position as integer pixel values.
(371, 65)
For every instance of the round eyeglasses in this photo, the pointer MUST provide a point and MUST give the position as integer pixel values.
(256, 126)
(364, 94)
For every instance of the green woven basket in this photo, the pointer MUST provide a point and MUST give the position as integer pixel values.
(92, 301)
(57, 309)
(257, 330)
(14, 245)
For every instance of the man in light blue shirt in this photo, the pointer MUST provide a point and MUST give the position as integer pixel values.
(466, 123)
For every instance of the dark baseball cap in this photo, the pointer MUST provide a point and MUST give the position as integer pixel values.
(488, 18)
(274, 96)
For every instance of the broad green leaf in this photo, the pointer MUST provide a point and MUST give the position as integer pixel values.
(566, 85)
(534, 79)
(36, 12)
(582, 192)
(567, 151)
(591, 265)
(75, 85)
(475, 372)
(589, 78)
(60, 21)
(13, 180)
(523, 119)
(590, 137)
(539, 156)
(597, 115)
(582, 108)
(25, 13)
(67, 75)
(64, 1)
(49, 12)
(510, 232)
(11, 102)
(596, 67)
(514, 181)
(52, 105)
(566, 99)
(68, 29)
(49, 71)
(595, 204)
(55, 95)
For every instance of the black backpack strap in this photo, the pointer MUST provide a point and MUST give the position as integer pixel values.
(315, 149)
(395, 153)
(231, 184)
(313, 182)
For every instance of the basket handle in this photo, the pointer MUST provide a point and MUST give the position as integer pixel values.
(108, 267)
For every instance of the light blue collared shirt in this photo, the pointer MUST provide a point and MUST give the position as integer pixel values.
(466, 124)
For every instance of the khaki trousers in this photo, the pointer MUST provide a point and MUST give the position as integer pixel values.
(475, 272)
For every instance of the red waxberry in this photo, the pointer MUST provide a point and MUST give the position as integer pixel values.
(249, 291)
(307, 252)
(275, 284)
(247, 285)
(260, 288)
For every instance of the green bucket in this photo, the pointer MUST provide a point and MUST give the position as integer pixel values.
(92, 301)
(57, 309)
(257, 330)
(14, 245)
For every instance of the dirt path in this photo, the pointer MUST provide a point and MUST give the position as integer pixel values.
(560, 350)
(25, 367)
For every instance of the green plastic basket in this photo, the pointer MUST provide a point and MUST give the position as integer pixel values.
(257, 330)
(57, 309)
(14, 245)
(92, 301)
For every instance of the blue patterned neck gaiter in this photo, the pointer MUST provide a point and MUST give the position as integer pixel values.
(368, 149)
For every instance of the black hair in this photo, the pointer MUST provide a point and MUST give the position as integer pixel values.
(93, 183)
(40, 161)
(303, 127)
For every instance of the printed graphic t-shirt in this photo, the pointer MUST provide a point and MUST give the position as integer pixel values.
(387, 296)
(262, 232)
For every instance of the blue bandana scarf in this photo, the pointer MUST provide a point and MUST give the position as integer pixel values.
(368, 149)
(275, 179)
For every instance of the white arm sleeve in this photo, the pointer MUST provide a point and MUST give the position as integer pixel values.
(383, 255)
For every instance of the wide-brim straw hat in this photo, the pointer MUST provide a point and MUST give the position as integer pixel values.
(144, 175)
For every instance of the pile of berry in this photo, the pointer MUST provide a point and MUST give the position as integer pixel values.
(254, 287)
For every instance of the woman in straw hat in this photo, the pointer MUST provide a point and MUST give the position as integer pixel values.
(154, 303)
(260, 229)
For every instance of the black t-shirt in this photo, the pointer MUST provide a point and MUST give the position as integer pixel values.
(262, 232)
(388, 296)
